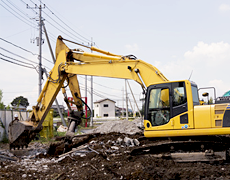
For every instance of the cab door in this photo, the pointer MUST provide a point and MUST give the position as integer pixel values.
(158, 106)
(167, 107)
(179, 116)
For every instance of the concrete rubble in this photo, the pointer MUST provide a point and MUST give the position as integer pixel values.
(122, 126)
(62, 128)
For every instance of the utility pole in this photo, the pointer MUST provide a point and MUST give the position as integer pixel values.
(126, 99)
(40, 42)
(134, 99)
(91, 120)
(122, 112)
(40, 52)
(86, 100)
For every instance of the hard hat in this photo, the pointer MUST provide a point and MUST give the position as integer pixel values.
(16, 115)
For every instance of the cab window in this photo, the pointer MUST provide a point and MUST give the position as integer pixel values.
(179, 95)
(159, 107)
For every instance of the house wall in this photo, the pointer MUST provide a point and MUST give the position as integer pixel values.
(97, 110)
(101, 111)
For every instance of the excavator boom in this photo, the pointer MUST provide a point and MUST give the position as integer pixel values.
(70, 63)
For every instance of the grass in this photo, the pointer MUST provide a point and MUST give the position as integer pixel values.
(56, 133)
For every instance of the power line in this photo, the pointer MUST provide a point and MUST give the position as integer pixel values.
(60, 30)
(66, 24)
(86, 40)
(14, 14)
(18, 33)
(65, 28)
(19, 9)
(31, 9)
(22, 57)
(102, 85)
(16, 63)
(18, 56)
(105, 86)
(24, 49)
(20, 92)
(16, 60)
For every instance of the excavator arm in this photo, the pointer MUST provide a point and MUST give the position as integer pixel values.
(70, 63)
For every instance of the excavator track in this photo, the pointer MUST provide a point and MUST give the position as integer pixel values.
(203, 144)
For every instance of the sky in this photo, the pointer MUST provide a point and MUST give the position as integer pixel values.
(183, 39)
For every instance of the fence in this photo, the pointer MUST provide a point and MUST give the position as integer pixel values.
(6, 116)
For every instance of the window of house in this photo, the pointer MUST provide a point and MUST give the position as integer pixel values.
(106, 115)
(106, 105)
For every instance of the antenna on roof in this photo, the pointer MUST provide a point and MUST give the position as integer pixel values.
(190, 75)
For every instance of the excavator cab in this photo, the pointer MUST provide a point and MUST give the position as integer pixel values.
(170, 106)
(166, 101)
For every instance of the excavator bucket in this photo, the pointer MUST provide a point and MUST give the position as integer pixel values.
(21, 133)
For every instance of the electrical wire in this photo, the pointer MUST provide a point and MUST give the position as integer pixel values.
(23, 58)
(16, 13)
(16, 63)
(31, 9)
(103, 85)
(15, 59)
(65, 28)
(24, 49)
(60, 29)
(100, 84)
(65, 23)
(18, 56)
(18, 9)
(18, 33)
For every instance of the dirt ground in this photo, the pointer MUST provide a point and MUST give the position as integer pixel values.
(105, 157)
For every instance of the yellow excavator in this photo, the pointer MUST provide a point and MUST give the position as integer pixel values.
(172, 108)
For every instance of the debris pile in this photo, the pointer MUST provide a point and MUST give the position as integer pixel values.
(6, 155)
(108, 157)
(104, 154)
(122, 126)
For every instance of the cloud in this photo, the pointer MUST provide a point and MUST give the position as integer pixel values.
(224, 7)
(209, 54)
(220, 86)
(209, 63)
(132, 48)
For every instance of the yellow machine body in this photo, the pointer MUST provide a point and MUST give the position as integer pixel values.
(47, 130)
(199, 119)
(172, 108)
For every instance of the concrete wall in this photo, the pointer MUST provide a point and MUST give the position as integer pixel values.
(6, 116)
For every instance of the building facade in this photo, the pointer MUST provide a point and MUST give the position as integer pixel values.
(104, 108)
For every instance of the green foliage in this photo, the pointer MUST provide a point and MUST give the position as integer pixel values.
(8, 107)
(4, 139)
(20, 101)
(1, 96)
(2, 106)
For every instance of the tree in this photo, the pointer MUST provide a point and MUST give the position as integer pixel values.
(20, 101)
(2, 106)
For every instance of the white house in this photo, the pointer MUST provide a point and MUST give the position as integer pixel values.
(104, 108)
